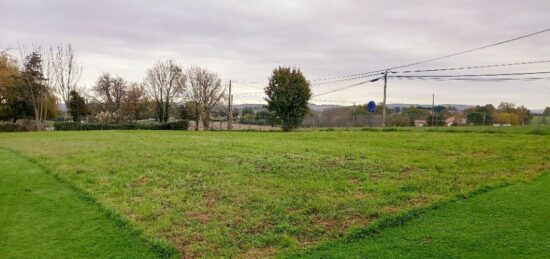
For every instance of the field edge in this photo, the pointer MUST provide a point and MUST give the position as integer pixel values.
(162, 247)
(392, 221)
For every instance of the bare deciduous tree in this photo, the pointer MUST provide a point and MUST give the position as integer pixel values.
(164, 82)
(66, 71)
(135, 103)
(205, 90)
(111, 91)
(35, 81)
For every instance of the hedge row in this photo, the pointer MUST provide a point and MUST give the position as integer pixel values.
(176, 125)
(11, 127)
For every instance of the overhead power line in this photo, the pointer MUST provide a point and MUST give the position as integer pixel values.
(473, 67)
(245, 85)
(330, 101)
(245, 82)
(246, 94)
(438, 58)
(475, 79)
(473, 75)
(347, 87)
(347, 79)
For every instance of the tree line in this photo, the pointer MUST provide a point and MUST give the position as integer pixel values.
(35, 83)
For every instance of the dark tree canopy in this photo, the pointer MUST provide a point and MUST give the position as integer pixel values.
(288, 94)
(481, 115)
(13, 102)
(77, 106)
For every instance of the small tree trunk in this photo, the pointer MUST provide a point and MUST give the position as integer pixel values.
(206, 120)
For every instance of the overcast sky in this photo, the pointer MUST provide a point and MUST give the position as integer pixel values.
(245, 40)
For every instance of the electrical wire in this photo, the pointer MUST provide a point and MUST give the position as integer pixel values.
(242, 84)
(475, 79)
(347, 87)
(473, 75)
(473, 67)
(331, 101)
(438, 58)
(348, 79)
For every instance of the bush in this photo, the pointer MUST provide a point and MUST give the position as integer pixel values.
(74, 126)
(11, 127)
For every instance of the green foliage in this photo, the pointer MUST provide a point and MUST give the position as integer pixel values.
(416, 113)
(517, 215)
(11, 127)
(77, 106)
(288, 94)
(247, 110)
(479, 118)
(438, 120)
(43, 217)
(14, 104)
(189, 111)
(481, 115)
(75, 126)
(266, 118)
(508, 113)
(248, 118)
(379, 109)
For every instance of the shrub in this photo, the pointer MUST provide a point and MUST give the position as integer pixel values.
(175, 125)
(11, 127)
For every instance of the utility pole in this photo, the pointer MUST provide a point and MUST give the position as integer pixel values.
(384, 101)
(230, 116)
(353, 118)
(541, 116)
(433, 109)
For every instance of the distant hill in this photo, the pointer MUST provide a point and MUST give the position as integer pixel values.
(315, 107)
(459, 107)
(251, 106)
(323, 107)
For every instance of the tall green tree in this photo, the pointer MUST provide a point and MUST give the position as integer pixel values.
(288, 94)
(481, 115)
(190, 111)
(34, 84)
(77, 106)
(13, 102)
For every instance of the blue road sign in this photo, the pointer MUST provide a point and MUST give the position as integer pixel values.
(372, 106)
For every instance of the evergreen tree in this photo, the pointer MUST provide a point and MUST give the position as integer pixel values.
(288, 94)
(77, 106)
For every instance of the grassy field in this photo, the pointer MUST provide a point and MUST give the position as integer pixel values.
(258, 194)
(509, 222)
(42, 218)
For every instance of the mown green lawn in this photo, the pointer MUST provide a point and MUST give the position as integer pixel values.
(254, 194)
(511, 222)
(42, 218)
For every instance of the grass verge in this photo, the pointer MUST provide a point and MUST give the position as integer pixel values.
(503, 223)
(42, 217)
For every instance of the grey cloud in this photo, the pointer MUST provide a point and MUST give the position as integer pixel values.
(245, 39)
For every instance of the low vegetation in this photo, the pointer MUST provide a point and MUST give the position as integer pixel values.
(251, 194)
(43, 218)
(174, 125)
(509, 222)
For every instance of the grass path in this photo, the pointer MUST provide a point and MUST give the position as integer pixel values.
(511, 222)
(40, 217)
